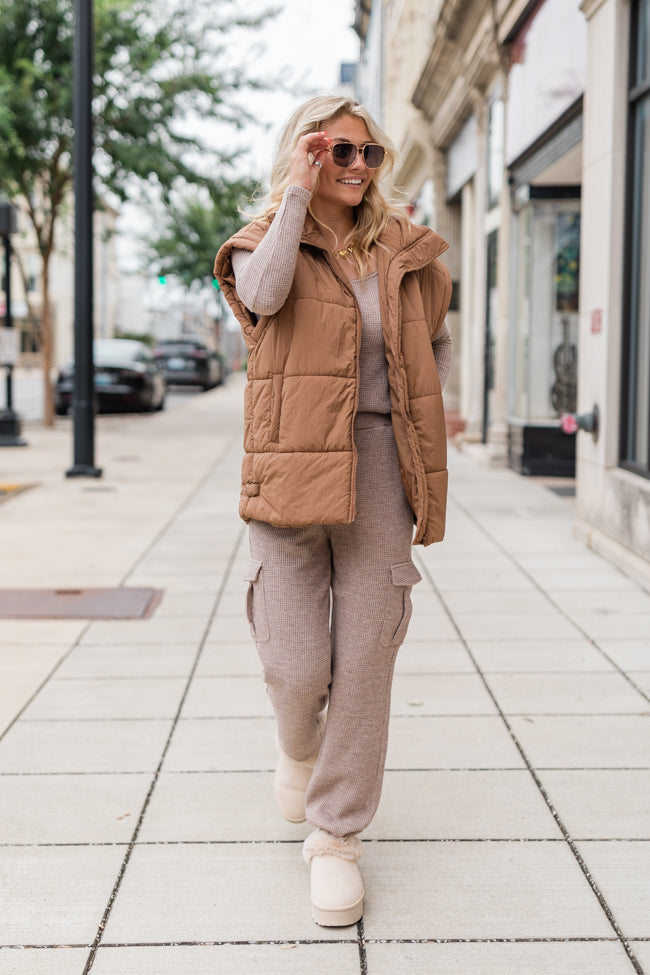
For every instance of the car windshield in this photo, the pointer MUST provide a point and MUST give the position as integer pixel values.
(117, 350)
(179, 345)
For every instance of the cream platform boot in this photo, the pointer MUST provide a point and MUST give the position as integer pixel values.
(290, 784)
(336, 885)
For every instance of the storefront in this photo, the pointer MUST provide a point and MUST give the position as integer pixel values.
(543, 154)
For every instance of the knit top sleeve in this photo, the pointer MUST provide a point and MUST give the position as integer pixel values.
(264, 276)
(442, 353)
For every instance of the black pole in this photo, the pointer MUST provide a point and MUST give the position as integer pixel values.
(83, 408)
(9, 421)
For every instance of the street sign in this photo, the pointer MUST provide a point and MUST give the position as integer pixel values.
(8, 346)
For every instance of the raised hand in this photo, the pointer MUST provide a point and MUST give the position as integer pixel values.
(304, 161)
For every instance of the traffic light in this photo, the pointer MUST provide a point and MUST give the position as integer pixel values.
(215, 284)
(162, 279)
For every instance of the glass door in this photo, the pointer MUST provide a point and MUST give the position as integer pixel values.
(545, 356)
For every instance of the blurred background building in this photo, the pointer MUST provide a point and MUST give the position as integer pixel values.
(524, 132)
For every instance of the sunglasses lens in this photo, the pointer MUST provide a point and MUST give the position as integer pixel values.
(344, 153)
(373, 155)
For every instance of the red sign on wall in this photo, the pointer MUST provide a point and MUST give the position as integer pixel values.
(596, 321)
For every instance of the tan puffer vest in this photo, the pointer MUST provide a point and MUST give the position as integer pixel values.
(302, 390)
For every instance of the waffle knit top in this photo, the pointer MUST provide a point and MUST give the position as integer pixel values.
(264, 277)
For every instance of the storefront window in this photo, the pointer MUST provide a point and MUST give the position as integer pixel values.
(546, 333)
(636, 380)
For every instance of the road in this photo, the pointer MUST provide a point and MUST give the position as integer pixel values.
(28, 394)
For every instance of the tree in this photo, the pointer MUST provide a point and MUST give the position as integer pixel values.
(156, 66)
(193, 229)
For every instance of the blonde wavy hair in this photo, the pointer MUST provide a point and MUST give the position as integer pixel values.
(379, 203)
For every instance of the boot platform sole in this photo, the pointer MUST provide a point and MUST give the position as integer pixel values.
(339, 917)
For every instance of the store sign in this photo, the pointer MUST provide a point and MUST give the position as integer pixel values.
(547, 74)
(462, 158)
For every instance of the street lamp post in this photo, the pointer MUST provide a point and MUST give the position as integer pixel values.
(9, 421)
(83, 410)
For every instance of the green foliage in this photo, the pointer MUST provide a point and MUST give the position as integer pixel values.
(156, 67)
(194, 227)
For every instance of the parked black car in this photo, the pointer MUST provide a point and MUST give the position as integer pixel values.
(127, 376)
(188, 362)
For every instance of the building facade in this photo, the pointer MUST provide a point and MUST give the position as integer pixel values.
(524, 131)
(27, 283)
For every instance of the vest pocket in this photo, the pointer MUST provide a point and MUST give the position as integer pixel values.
(398, 604)
(255, 603)
(276, 406)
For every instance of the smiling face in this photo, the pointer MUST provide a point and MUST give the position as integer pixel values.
(339, 187)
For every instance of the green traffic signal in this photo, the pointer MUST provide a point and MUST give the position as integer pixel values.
(215, 284)
(162, 279)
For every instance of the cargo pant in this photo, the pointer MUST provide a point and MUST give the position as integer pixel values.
(329, 606)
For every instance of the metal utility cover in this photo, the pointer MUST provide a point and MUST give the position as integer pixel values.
(62, 604)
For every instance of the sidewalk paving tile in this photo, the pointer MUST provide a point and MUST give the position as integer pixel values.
(105, 698)
(516, 626)
(185, 604)
(622, 872)
(489, 958)
(463, 577)
(427, 657)
(221, 744)
(22, 671)
(212, 807)
(529, 654)
(71, 808)
(125, 660)
(602, 601)
(83, 746)
(601, 627)
(558, 574)
(504, 602)
(40, 632)
(150, 631)
(271, 959)
(189, 582)
(42, 961)
(229, 659)
(629, 653)
(478, 890)
(641, 679)
(229, 628)
(216, 892)
(435, 629)
(595, 804)
(56, 895)
(641, 950)
(422, 694)
(566, 694)
(461, 805)
(227, 697)
(450, 742)
(585, 741)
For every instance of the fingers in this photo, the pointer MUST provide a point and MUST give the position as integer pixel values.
(305, 161)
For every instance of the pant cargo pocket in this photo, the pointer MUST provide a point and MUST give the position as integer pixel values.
(398, 605)
(256, 613)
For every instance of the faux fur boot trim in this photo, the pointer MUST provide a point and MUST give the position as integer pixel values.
(322, 843)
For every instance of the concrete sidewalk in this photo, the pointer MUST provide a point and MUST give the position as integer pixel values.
(138, 830)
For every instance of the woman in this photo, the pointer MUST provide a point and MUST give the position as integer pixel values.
(342, 303)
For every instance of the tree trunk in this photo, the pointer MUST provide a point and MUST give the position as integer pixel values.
(47, 346)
